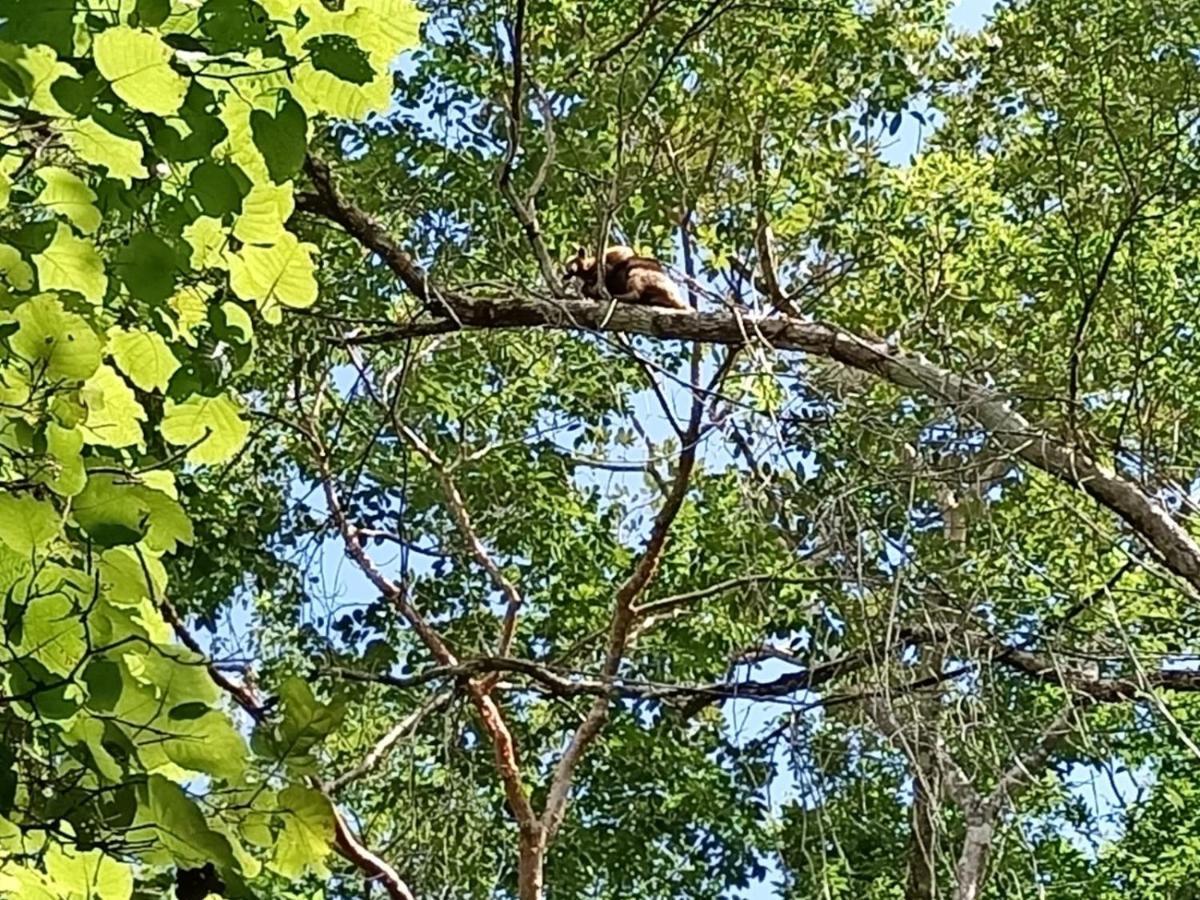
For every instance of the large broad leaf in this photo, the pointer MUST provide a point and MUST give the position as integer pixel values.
(71, 264)
(207, 238)
(94, 143)
(181, 827)
(113, 412)
(212, 424)
(65, 474)
(169, 700)
(26, 523)
(14, 271)
(304, 724)
(52, 632)
(66, 194)
(114, 510)
(60, 341)
(127, 577)
(281, 274)
(83, 876)
(282, 138)
(148, 266)
(264, 211)
(143, 356)
(308, 831)
(28, 73)
(137, 64)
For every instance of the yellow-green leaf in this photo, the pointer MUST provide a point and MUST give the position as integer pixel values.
(308, 829)
(281, 274)
(137, 65)
(264, 210)
(52, 632)
(64, 446)
(65, 194)
(82, 876)
(206, 236)
(26, 523)
(113, 413)
(213, 424)
(71, 264)
(143, 356)
(13, 268)
(95, 144)
(236, 317)
(60, 341)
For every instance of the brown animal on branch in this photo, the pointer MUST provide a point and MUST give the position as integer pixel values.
(627, 277)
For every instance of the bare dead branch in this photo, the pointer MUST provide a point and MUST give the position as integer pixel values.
(380, 749)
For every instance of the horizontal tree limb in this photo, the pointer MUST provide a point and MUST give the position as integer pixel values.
(1169, 541)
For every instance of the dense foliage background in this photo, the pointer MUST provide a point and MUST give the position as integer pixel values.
(347, 552)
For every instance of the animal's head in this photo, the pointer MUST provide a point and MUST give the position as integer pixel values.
(580, 266)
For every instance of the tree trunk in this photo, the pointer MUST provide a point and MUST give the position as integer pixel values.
(972, 862)
(922, 843)
(532, 855)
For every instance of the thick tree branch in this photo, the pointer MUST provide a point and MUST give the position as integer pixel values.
(1009, 430)
(623, 617)
(503, 745)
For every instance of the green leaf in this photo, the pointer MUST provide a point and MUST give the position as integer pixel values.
(66, 194)
(215, 187)
(94, 143)
(196, 131)
(71, 264)
(152, 13)
(60, 341)
(238, 319)
(65, 475)
(14, 270)
(281, 139)
(308, 832)
(187, 711)
(136, 63)
(181, 826)
(341, 56)
(234, 24)
(113, 412)
(114, 511)
(29, 76)
(143, 356)
(305, 723)
(27, 524)
(264, 211)
(148, 266)
(207, 238)
(52, 632)
(83, 876)
(280, 274)
(213, 424)
(39, 22)
(128, 578)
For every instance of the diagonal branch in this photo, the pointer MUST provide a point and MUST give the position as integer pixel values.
(1022, 774)
(624, 614)
(504, 747)
(380, 749)
(462, 520)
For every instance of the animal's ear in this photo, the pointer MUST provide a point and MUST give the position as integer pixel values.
(580, 253)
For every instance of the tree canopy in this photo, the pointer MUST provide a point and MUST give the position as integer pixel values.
(348, 551)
